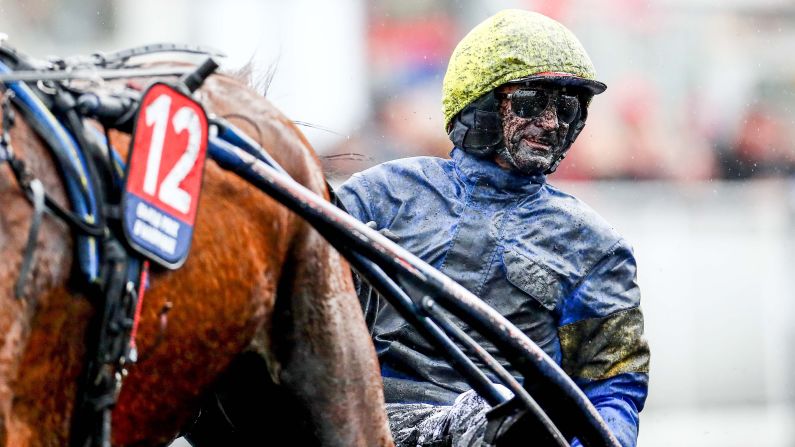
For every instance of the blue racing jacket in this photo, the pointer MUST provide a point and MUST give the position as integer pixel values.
(540, 257)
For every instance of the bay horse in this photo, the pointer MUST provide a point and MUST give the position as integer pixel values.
(263, 315)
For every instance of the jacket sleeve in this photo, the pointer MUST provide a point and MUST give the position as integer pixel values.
(602, 344)
(355, 196)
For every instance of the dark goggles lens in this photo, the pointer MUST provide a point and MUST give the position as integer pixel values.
(531, 103)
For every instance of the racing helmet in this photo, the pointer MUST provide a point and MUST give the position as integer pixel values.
(513, 46)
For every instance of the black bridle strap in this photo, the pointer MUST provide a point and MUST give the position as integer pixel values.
(25, 178)
(35, 192)
(71, 219)
(41, 201)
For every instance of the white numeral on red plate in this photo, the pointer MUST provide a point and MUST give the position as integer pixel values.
(157, 116)
(170, 192)
(185, 118)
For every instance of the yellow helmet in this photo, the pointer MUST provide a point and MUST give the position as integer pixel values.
(513, 46)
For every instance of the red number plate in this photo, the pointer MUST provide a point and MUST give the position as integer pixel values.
(164, 175)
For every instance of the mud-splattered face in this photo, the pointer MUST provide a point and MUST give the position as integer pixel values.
(531, 144)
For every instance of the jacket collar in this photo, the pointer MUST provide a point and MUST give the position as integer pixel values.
(489, 173)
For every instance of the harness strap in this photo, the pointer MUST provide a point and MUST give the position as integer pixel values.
(70, 162)
(6, 153)
(33, 189)
(36, 196)
(24, 177)
(109, 346)
(25, 180)
(71, 219)
(97, 167)
(119, 58)
(67, 166)
(139, 300)
(41, 201)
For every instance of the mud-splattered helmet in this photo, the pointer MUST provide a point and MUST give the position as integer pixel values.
(513, 46)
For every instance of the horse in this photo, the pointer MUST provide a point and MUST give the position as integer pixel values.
(262, 317)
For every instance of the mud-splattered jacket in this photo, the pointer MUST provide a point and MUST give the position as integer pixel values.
(539, 256)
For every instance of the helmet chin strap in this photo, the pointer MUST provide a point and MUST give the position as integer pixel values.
(556, 162)
(505, 154)
(574, 131)
(477, 128)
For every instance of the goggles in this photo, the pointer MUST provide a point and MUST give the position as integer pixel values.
(530, 103)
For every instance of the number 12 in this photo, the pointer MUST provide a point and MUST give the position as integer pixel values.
(157, 116)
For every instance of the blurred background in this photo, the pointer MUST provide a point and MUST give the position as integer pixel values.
(690, 153)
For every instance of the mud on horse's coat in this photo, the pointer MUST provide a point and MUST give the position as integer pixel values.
(258, 280)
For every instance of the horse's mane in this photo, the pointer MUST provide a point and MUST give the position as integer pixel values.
(260, 82)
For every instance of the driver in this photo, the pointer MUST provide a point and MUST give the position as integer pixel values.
(515, 97)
